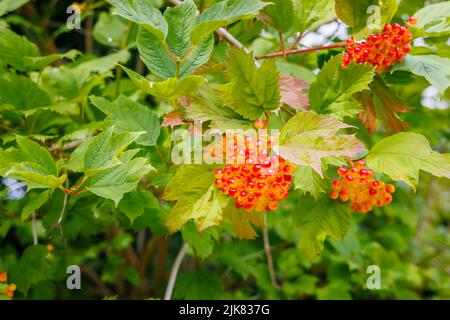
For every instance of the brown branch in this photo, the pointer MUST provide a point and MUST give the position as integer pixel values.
(67, 146)
(297, 41)
(270, 264)
(90, 273)
(283, 49)
(290, 52)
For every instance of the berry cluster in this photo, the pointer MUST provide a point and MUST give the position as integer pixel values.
(258, 184)
(5, 288)
(357, 185)
(381, 50)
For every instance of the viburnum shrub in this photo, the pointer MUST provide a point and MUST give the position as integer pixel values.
(381, 50)
(357, 185)
(134, 133)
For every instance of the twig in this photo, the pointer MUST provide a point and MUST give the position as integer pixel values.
(287, 110)
(297, 40)
(63, 209)
(174, 272)
(296, 51)
(102, 289)
(89, 39)
(7, 128)
(34, 228)
(269, 255)
(283, 49)
(67, 146)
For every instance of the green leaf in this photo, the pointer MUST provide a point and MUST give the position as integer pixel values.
(110, 30)
(434, 68)
(318, 219)
(309, 181)
(100, 152)
(34, 204)
(221, 14)
(199, 199)
(129, 116)
(281, 14)
(31, 163)
(198, 285)
(106, 63)
(38, 63)
(154, 55)
(170, 89)
(432, 21)
(11, 93)
(403, 155)
(181, 20)
(159, 61)
(32, 268)
(144, 13)
(11, 5)
(208, 106)
(114, 182)
(198, 56)
(362, 15)
(103, 150)
(309, 14)
(252, 90)
(334, 88)
(134, 203)
(307, 138)
(201, 243)
(14, 48)
(24, 55)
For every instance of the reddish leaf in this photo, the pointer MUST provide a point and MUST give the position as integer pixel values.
(368, 116)
(173, 118)
(387, 104)
(293, 92)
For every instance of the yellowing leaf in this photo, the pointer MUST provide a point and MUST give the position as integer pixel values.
(403, 155)
(192, 187)
(307, 138)
(243, 221)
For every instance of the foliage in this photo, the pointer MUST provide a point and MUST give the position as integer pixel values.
(93, 120)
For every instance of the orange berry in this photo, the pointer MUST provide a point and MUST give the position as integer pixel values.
(9, 294)
(3, 277)
(390, 188)
(361, 164)
(12, 287)
(334, 194)
(260, 124)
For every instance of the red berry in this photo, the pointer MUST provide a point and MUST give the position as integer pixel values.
(342, 171)
(412, 20)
